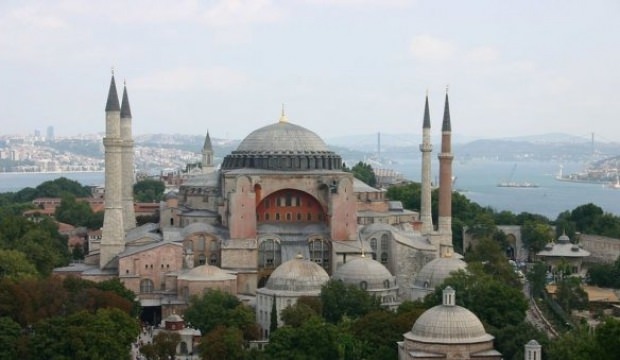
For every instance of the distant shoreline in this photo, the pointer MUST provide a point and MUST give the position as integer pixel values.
(51, 172)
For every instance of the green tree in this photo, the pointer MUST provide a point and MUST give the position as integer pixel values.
(106, 334)
(77, 213)
(165, 344)
(148, 190)
(297, 314)
(222, 343)
(537, 277)
(10, 332)
(341, 300)
(14, 264)
(509, 340)
(536, 235)
(273, 316)
(215, 308)
(314, 340)
(493, 300)
(570, 295)
(608, 336)
(576, 344)
(365, 173)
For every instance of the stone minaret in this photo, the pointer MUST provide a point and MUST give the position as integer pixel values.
(445, 184)
(425, 192)
(113, 236)
(533, 350)
(207, 155)
(127, 167)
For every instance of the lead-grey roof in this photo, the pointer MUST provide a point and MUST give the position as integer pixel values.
(112, 102)
(436, 271)
(364, 269)
(563, 248)
(282, 137)
(297, 275)
(444, 324)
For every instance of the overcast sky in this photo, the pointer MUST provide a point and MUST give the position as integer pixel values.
(340, 66)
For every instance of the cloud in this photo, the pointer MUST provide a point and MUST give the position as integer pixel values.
(428, 48)
(482, 54)
(192, 78)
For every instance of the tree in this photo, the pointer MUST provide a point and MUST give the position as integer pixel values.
(14, 264)
(148, 190)
(365, 173)
(165, 344)
(536, 235)
(315, 339)
(510, 339)
(537, 277)
(493, 300)
(215, 308)
(296, 314)
(273, 316)
(106, 334)
(77, 213)
(570, 295)
(222, 343)
(10, 332)
(341, 300)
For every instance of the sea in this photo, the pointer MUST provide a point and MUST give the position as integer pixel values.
(476, 179)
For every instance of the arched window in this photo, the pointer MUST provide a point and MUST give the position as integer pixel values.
(269, 254)
(266, 216)
(146, 286)
(277, 216)
(213, 259)
(201, 243)
(384, 258)
(373, 244)
(319, 252)
(386, 284)
(363, 285)
(202, 259)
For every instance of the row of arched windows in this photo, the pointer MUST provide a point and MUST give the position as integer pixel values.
(270, 253)
(289, 217)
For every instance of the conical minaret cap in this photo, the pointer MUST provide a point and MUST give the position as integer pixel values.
(446, 126)
(427, 116)
(125, 108)
(112, 102)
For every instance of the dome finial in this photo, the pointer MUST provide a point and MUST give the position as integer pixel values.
(283, 117)
(448, 296)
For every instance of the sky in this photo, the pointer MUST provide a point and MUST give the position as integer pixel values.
(340, 67)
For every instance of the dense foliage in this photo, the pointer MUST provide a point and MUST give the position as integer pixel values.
(66, 319)
(365, 173)
(148, 190)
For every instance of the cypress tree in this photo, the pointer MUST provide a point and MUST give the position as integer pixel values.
(273, 325)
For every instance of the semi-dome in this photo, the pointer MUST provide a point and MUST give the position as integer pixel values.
(365, 272)
(282, 146)
(297, 275)
(448, 324)
(436, 271)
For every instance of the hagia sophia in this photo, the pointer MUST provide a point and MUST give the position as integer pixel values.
(275, 221)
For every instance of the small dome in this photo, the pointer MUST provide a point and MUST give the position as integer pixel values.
(449, 324)
(173, 318)
(297, 275)
(436, 271)
(170, 195)
(206, 272)
(365, 269)
(282, 137)
(563, 239)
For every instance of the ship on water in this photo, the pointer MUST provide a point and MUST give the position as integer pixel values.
(510, 183)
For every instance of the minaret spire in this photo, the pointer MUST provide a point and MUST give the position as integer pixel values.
(425, 197)
(127, 160)
(112, 235)
(445, 183)
(112, 102)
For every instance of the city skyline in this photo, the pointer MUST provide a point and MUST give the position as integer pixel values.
(339, 67)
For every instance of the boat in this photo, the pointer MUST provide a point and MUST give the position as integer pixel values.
(517, 185)
(513, 184)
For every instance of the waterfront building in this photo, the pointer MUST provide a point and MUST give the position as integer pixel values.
(280, 194)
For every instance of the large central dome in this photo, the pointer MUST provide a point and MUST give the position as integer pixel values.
(283, 146)
(283, 137)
